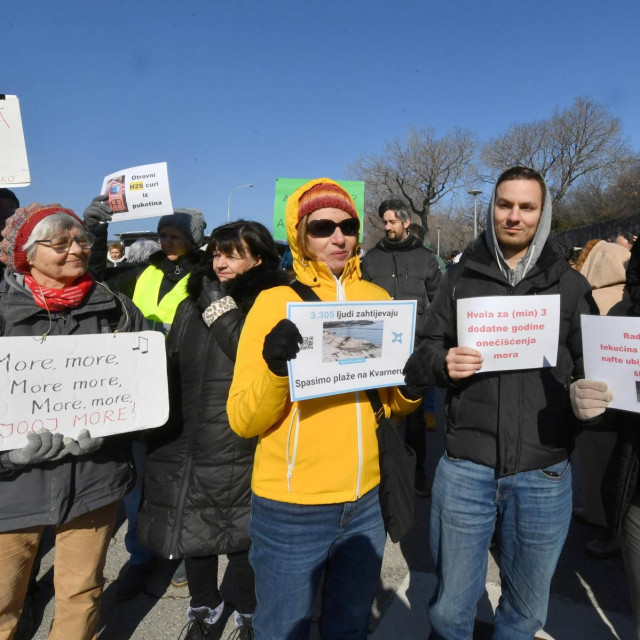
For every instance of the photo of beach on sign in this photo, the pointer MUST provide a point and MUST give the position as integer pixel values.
(351, 340)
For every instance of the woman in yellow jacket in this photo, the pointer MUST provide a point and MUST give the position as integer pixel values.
(315, 505)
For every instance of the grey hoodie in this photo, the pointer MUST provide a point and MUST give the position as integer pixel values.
(535, 248)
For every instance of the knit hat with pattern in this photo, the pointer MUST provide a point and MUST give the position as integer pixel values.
(190, 221)
(325, 195)
(18, 229)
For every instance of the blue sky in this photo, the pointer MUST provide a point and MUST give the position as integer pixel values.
(246, 91)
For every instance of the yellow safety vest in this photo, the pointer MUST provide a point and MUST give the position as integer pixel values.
(145, 297)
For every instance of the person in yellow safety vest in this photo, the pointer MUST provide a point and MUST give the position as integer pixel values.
(156, 289)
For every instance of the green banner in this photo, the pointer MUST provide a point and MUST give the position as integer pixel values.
(286, 186)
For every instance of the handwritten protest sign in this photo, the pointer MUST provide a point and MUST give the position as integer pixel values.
(611, 349)
(511, 332)
(349, 346)
(139, 192)
(286, 186)
(14, 167)
(106, 383)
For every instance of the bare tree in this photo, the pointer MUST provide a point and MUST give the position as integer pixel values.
(422, 169)
(565, 148)
(603, 195)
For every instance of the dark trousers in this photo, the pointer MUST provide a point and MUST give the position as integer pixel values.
(202, 574)
(415, 435)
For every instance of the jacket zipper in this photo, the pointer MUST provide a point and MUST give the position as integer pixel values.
(360, 454)
(291, 460)
(185, 478)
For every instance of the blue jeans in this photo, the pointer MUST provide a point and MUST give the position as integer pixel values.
(533, 511)
(293, 545)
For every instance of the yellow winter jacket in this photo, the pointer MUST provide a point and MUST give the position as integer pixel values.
(317, 451)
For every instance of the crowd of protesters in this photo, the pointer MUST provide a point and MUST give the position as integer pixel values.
(289, 491)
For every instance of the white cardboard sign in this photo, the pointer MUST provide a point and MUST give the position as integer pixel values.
(139, 192)
(14, 166)
(106, 383)
(611, 349)
(350, 346)
(511, 332)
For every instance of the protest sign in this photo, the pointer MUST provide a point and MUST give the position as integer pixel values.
(350, 346)
(14, 167)
(106, 383)
(611, 349)
(286, 186)
(139, 192)
(511, 332)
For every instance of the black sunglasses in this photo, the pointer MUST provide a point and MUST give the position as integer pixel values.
(326, 228)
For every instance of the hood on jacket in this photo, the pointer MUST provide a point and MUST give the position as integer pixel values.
(606, 265)
(307, 271)
(535, 248)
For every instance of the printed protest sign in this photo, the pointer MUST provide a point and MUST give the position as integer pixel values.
(511, 332)
(139, 192)
(611, 349)
(14, 167)
(286, 186)
(349, 346)
(106, 383)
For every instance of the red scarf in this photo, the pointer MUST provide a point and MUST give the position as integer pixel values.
(60, 299)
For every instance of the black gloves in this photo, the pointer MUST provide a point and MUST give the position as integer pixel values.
(417, 376)
(214, 303)
(97, 211)
(211, 292)
(280, 345)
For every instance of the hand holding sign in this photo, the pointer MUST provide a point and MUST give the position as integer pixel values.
(83, 445)
(42, 446)
(98, 211)
(463, 362)
(417, 376)
(281, 344)
(589, 398)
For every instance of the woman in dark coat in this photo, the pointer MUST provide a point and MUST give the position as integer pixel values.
(196, 500)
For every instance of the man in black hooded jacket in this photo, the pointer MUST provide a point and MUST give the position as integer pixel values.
(509, 433)
(407, 270)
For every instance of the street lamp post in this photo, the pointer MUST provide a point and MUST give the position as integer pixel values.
(242, 186)
(438, 228)
(475, 193)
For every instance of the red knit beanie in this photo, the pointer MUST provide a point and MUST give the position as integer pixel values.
(325, 195)
(18, 229)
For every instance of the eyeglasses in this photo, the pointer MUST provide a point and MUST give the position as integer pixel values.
(62, 244)
(326, 228)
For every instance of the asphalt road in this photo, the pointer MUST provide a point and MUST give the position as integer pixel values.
(589, 597)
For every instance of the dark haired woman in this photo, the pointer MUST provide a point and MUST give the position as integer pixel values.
(197, 479)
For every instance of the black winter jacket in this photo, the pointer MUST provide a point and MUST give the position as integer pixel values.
(197, 486)
(620, 482)
(511, 421)
(405, 270)
(55, 492)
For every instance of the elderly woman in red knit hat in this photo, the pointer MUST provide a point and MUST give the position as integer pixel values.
(315, 507)
(73, 485)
